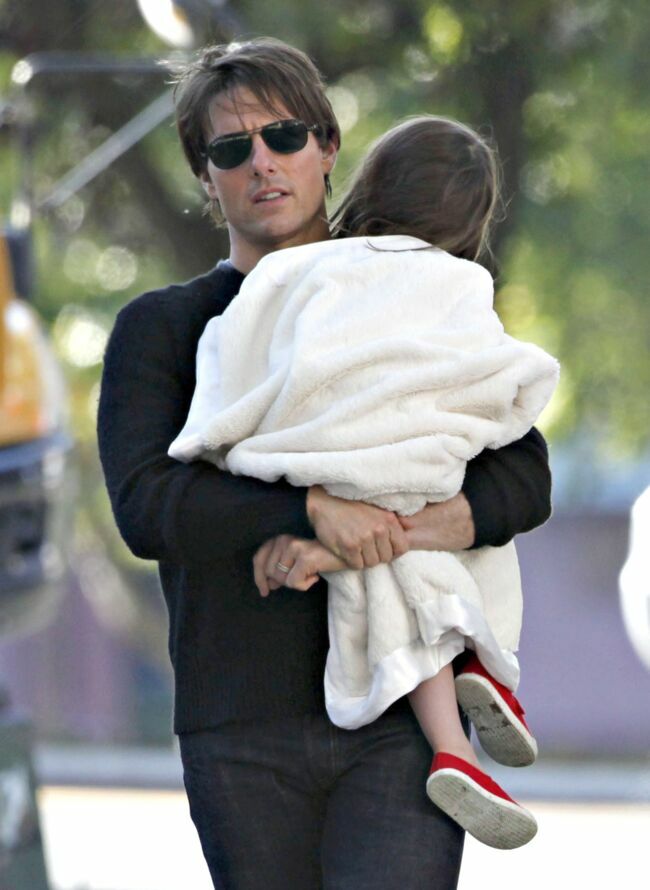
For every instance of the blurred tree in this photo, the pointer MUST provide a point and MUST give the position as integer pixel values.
(561, 86)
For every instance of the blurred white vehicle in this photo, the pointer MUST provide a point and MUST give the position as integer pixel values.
(635, 580)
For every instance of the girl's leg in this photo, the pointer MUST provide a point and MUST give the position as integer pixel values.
(456, 783)
(497, 715)
(435, 706)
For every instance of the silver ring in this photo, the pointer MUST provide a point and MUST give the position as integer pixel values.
(282, 568)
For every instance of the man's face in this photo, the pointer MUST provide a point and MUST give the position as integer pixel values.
(258, 220)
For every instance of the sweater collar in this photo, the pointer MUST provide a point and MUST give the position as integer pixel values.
(227, 267)
(231, 280)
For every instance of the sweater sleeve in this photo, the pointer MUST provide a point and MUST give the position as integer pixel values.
(165, 509)
(509, 490)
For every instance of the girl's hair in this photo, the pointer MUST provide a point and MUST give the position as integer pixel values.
(429, 177)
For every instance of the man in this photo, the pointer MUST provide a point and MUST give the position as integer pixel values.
(280, 797)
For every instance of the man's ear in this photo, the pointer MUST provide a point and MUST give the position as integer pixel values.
(329, 154)
(208, 186)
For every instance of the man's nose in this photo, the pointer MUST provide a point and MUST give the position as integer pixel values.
(262, 159)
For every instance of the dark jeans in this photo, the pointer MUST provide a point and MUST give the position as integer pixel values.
(299, 804)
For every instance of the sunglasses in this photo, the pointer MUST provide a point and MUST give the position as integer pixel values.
(284, 137)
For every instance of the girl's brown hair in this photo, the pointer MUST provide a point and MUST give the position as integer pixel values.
(429, 177)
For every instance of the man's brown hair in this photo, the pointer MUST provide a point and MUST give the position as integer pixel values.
(430, 177)
(272, 70)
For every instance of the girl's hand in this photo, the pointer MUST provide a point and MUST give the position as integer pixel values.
(304, 559)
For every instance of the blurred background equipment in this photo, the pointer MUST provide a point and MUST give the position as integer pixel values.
(22, 861)
(35, 508)
(34, 448)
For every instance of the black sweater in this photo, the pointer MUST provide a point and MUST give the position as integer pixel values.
(235, 654)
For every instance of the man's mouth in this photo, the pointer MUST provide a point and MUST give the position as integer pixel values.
(271, 195)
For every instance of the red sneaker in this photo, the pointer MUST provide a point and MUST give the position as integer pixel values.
(497, 716)
(478, 804)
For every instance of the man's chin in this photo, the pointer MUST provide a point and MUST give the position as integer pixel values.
(291, 234)
(276, 234)
(291, 237)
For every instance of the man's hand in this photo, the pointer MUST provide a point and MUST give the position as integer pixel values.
(360, 534)
(304, 559)
(445, 526)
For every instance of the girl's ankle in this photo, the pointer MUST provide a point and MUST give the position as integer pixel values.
(465, 752)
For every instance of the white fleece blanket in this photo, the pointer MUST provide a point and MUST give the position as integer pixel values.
(376, 367)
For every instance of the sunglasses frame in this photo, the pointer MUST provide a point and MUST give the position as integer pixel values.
(246, 137)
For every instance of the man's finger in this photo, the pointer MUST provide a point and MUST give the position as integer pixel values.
(267, 576)
(286, 553)
(275, 558)
(369, 553)
(303, 574)
(384, 544)
(259, 570)
(399, 541)
(354, 559)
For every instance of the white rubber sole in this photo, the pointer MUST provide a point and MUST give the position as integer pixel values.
(490, 819)
(501, 733)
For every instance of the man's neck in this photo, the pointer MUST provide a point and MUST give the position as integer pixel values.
(244, 257)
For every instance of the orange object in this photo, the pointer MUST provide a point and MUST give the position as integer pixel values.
(27, 375)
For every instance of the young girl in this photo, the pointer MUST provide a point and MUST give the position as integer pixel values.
(374, 364)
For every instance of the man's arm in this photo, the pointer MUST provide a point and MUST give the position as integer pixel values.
(164, 508)
(504, 493)
(509, 490)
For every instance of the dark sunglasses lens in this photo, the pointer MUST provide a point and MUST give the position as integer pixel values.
(287, 137)
(230, 153)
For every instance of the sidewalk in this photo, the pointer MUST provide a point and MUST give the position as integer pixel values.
(104, 839)
(112, 838)
(576, 779)
(594, 846)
